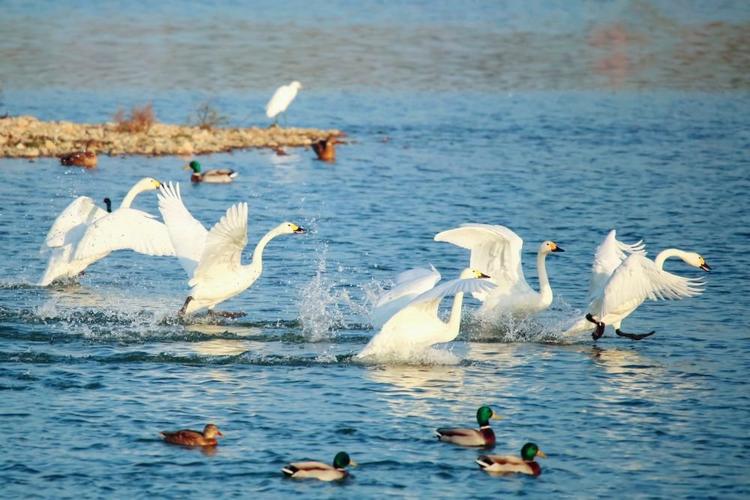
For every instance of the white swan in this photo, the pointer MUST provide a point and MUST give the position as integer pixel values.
(281, 99)
(610, 253)
(406, 286)
(608, 257)
(83, 234)
(496, 251)
(637, 279)
(212, 259)
(417, 325)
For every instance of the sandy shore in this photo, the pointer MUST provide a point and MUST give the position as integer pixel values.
(27, 137)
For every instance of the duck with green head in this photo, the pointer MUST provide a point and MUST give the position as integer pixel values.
(484, 436)
(215, 176)
(320, 470)
(505, 464)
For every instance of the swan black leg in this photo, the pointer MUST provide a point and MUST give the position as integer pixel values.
(184, 306)
(596, 334)
(634, 336)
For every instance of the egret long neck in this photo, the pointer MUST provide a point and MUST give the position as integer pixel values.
(545, 290)
(134, 191)
(665, 254)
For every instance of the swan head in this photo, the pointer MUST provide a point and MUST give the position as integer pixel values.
(211, 431)
(530, 451)
(696, 260)
(296, 85)
(549, 247)
(472, 273)
(484, 414)
(147, 184)
(108, 204)
(291, 228)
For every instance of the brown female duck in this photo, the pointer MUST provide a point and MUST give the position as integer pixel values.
(187, 437)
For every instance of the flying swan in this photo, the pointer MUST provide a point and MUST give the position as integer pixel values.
(84, 233)
(212, 259)
(496, 251)
(417, 325)
(637, 279)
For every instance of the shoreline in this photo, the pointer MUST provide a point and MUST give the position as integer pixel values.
(29, 137)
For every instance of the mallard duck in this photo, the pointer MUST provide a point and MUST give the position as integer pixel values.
(325, 149)
(524, 464)
(187, 437)
(86, 158)
(484, 436)
(215, 176)
(319, 470)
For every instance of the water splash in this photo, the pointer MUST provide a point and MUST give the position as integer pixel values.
(322, 304)
(547, 326)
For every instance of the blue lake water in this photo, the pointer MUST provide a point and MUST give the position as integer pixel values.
(637, 118)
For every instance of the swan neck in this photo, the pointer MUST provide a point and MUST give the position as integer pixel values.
(545, 290)
(128, 200)
(258, 252)
(665, 254)
(454, 322)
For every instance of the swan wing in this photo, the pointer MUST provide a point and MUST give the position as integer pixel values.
(408, 285)
(224, 245)
(280, 100)
(124, 229)
(608, 257)
(426, 304)
(188, 236)
(495, 250)
(637, 279)
(80, 212)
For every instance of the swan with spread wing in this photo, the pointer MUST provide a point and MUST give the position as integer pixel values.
(212, 259)
(639, 278)
(417, 326)
(496, 251)
(610, 253)
(84, 233)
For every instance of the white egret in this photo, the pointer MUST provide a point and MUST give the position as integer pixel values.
(281, 99)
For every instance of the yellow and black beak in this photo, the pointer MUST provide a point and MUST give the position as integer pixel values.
(557, 248)
(705, 266)
(299, 230)
(482, 275)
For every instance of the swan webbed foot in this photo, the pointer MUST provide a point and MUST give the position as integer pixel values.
(634, 336)
(181, 313)
(596, 334)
